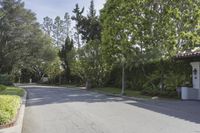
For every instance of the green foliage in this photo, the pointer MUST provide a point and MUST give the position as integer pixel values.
(53, 69)
(169, 76)
(9, 103)
(88, 26)
(77, 18)
(66, 55)
(149, 30)
(129, 92)
(173, 80)
(172, 75)
(9, 106)
(12, 91)
(158, 93)
(91, 64)
(5, 79)
(23, 45)
(58, 29)
(147, 33)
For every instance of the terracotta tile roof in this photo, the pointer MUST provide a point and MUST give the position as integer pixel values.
(188, 55)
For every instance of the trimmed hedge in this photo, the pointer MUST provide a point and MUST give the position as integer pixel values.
(9, 106)
(9, 103)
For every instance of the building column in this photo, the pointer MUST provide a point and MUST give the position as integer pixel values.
(195, 74)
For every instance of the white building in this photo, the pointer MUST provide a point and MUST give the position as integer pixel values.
(192, 93)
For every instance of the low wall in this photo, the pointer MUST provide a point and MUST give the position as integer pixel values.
(190, 93)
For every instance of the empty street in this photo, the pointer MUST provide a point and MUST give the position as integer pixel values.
(61, 110)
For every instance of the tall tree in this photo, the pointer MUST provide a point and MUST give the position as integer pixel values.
(22, 43)
(78, 19)
(67, 25)
(66, 57)
(89, 26)
(90, 55)
(58, 30)
(148, 30)
(48, 25)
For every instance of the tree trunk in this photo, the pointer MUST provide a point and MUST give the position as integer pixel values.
(88, 84)
(123, 79)
(162, 76)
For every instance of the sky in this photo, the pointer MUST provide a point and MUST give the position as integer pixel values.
(53, 8)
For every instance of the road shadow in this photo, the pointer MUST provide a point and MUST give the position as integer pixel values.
(37, 96)
(186, 110)
(52, 95)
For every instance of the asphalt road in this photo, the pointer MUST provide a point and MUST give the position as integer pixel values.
(61, 110)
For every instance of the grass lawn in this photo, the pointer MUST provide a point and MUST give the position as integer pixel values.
(128, 92)
(61, 85)
(10, 102)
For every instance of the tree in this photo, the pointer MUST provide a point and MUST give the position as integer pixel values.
(53, 69)
(22, 43)
(89, 26)
(90, 66)
(66, 56)
(48, 25)
(58, 29)
(90, 56)
(77, 18)
(67, 25)
(148, 30)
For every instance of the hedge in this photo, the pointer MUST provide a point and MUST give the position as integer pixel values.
(9, 106)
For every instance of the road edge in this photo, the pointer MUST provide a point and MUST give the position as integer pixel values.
(21, 113)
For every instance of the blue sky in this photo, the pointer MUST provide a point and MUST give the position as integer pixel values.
(53, 8)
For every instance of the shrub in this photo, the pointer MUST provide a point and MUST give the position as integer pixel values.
(9, 106)
(5, 79)
(154, 92)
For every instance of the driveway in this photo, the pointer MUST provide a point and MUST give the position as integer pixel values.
(61, 110)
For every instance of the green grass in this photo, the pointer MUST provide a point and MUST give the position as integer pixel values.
(128, 92)
(9, 103)
(62, 85)
(12, 91)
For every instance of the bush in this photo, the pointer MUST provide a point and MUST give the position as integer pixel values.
(154, 92)
(5, 79)
(9, 106)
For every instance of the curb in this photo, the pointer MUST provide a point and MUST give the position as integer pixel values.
(17, 128)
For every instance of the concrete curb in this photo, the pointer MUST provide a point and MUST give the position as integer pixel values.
(17, 128)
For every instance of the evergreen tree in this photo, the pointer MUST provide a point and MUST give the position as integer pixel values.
(66, 57)
(78, 19)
